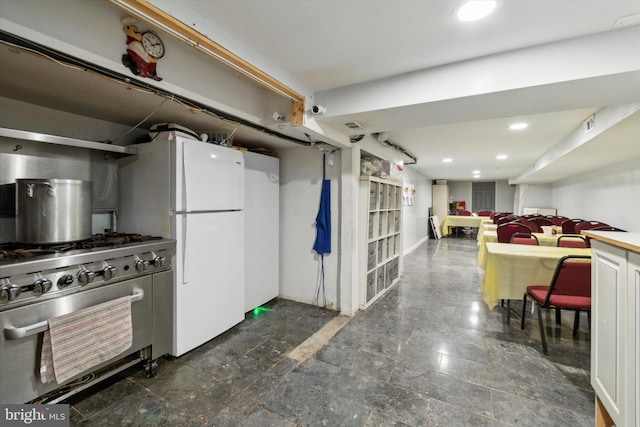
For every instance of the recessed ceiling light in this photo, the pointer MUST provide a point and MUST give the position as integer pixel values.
(518, 126)
(501, 156)
(475, 9)
(476, 176)
(476, 172)
(447, 160)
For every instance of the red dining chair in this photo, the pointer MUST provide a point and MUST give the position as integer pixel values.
(505, 231)
(504, 220)
(484, 213)
(532, 225)
(556, 220)
(569, 226)
(524, 239)
(570, 289)
(588, 225)
(497, 216)
(572, 241)
(541, 221)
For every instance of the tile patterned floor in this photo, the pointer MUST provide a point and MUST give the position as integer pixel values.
(429, 353)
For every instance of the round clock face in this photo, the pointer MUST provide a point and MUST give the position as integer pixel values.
(152, 44)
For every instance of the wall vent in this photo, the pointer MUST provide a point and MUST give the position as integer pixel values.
(589, 124)
(354, 126)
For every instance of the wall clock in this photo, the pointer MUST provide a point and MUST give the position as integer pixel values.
(143, 50)
(153, 44)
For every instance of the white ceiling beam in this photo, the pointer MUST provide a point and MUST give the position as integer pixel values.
(603, 54)
(603, 120)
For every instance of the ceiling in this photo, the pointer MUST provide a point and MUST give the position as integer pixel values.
(331, 47)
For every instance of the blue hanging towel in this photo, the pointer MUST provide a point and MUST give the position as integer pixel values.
(322, 244)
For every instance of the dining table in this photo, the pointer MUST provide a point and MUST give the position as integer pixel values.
(451, 221)
(510, 268)
(484, 227)
(492, 237)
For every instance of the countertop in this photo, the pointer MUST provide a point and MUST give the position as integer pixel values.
(628, 241)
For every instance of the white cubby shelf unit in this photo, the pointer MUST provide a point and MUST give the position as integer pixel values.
(381, 237)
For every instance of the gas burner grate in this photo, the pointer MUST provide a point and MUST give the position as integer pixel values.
(20, 250)
(108, 239)
(14, 250)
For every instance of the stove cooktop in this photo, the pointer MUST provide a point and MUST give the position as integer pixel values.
(24, 250)
(31, 273)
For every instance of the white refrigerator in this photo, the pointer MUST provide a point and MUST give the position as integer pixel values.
(192, 192)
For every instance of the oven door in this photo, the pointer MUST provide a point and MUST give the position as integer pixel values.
(21, 340)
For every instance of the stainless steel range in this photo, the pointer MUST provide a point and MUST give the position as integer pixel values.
(42, 282)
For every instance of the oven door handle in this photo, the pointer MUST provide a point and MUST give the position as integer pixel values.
(13, 333)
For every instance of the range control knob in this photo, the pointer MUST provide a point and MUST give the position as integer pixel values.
(159, 261)
(42, 286)
(109, 272)
(142, 265)
(85, 276)
(65, 281)
(9, 292)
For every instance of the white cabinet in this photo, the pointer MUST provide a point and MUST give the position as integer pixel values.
(261, 229)
(633, 276)
(381, 237)
(615, 344)
(440, 201)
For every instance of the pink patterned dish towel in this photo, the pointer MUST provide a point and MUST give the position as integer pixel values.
(86, 338)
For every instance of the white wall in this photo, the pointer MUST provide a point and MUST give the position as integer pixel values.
(504, 196)
(415, 219)
(610, 195)
(300, 185)
(538, 196)
(92, 31)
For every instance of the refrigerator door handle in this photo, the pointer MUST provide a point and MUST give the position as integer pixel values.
(185, 249)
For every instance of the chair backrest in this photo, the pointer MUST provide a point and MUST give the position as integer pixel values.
(484, 213)
(572, 242)
(535, 228)
(464, 213)
(556, 220)
(569, 226)
(524, 239)
(588, 225)
(503, 220)
(505, 231)
(541, 221)
(499, 215)
(571, 277)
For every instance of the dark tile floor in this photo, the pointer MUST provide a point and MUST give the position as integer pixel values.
(429, 353)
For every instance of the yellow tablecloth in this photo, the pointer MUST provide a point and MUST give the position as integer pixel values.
(511, 268)
(492, 237)
(484, 227)
(451, 221)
